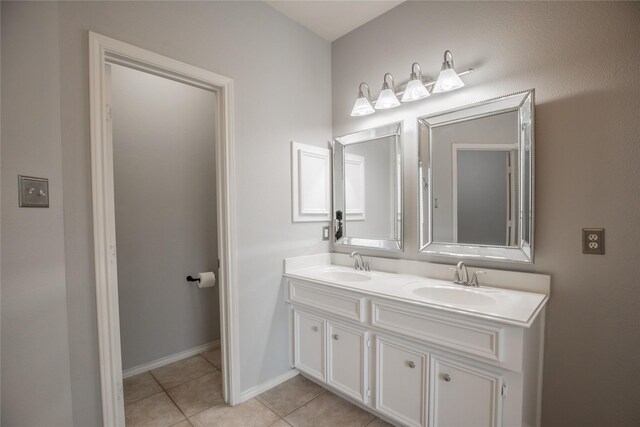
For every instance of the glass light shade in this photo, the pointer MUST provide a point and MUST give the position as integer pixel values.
(415, 90)
(362, 107)
(448, 80)
(387, 99)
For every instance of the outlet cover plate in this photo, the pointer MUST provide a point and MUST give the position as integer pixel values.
(33, 192)
(593, 241)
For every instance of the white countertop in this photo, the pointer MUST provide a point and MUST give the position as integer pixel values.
(496, 304)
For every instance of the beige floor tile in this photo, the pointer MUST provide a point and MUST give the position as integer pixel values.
(280, 423)
(199, 394)
(290, 395)
(248, 414)
(329, 410)
(140, 386)
(182, 371)
(379, 423)
(183, 423)
(155, 411)
(214, 356)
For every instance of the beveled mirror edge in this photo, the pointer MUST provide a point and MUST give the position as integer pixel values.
(383, 131)
(524, 252)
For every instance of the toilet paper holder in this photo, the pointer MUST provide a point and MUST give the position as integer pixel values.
(192, 279)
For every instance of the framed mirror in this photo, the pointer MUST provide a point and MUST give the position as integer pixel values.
(476, 174)
(367, 188)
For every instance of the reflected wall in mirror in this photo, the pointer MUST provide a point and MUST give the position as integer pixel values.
(476, 170)
(367, 178)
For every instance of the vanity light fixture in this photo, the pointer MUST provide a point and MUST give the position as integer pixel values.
(415, 89)
(387, 98)
(448, 79)
(362, 106)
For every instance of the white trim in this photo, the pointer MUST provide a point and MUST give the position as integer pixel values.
(266, 386)
(103, 50)
(158, 363)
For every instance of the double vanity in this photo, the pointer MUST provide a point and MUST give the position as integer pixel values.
(416, 348)
(413, 342)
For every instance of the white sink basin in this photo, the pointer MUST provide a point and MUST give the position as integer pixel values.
(451, 295)
(346, 276)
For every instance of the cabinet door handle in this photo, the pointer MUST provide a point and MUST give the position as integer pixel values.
(335, 337)
(411, 364)
(446, 377)
(315, 329)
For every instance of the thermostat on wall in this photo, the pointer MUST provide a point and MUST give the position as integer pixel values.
(33, 192)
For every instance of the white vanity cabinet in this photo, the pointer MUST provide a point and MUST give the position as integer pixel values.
(309, 344)
(401, 382)
(332, 353)
(347, 360)
(464, 396)
(414, 364)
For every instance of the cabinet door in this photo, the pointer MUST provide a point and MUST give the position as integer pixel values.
(308, 342)
(401, 378)
(347, 361)
(464, 396)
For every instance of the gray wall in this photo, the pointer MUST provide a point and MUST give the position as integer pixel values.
(36, 388)
(271, 59)
(583, 60)
(165, 200)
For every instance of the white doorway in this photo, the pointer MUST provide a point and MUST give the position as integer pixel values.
(105, 52)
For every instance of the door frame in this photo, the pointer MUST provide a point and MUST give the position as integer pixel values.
(104, 50)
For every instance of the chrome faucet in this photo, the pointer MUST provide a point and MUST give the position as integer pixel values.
(359, 264)
(461, 275)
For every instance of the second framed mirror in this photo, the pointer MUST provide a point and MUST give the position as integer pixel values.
(476, 173)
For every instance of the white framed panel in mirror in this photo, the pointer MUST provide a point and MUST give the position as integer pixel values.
(476, 168)
(310, 183)
(367, 188)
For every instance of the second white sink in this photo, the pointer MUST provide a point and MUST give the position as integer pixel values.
(450, 295)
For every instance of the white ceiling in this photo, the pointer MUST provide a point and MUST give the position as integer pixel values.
(333, 19)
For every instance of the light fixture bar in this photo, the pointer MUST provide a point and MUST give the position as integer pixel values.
(427, 83)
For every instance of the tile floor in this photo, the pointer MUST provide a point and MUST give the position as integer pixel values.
(189, 393)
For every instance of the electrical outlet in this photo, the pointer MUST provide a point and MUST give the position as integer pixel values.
(33, 192)
(325, 232)
(593, 241)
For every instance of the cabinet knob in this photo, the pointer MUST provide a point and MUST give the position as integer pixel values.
(411, 364)
(315, 329)
(335, 337)
(446, 377)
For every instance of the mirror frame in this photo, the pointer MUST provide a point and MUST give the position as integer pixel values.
(339, 144)
(523, 251)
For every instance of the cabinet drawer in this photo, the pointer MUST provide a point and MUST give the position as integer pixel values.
(472, 338)
(339, 303)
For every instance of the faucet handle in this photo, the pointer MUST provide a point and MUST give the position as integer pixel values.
(474, 278)
(366, 264)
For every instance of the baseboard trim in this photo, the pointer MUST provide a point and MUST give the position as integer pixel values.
(154, 364)
(261, 388)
